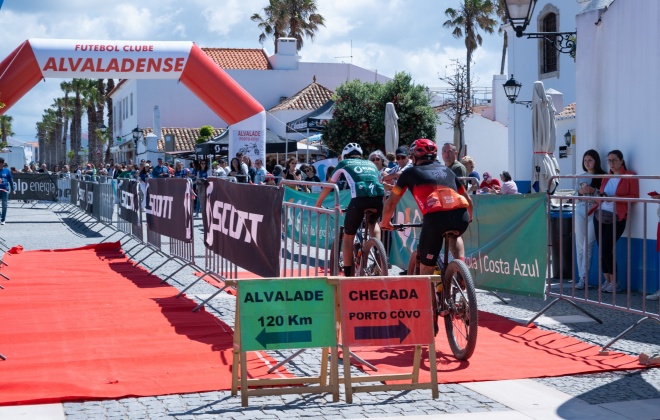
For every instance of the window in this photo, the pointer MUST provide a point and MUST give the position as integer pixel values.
(131, 103)
(549, 52)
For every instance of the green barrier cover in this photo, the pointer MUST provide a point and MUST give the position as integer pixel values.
(505, 245)
(294, 226)
(286, 313)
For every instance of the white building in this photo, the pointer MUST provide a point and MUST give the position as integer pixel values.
(269, 79)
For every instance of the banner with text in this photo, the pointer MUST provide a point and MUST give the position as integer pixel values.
(505, 245)
(41, 187)
(129, 209)
(169, 208)
(242, 223)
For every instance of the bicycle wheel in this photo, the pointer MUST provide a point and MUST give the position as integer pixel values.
(413, 265)
(373, 261)
(357, 248)
(461, 321)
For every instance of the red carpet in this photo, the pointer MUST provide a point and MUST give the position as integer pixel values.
(505, 350)
(85, 324)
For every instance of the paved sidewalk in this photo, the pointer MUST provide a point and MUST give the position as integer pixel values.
(616, 395)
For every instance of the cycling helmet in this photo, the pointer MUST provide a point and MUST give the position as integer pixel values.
(424, 149)
(351, 149)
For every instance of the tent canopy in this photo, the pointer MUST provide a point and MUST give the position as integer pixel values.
(313, 121)
(220, 144)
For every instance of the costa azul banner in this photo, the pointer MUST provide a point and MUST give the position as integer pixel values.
(505, 245)
(41, 187)
(129, 209)
(298, 227)
(117, 59)
(242, 223)
(169, 208)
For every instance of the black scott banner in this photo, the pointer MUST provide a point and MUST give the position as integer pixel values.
(85, 197)
(34, 187)
(243, 223)
(169, 208)
(128, 201)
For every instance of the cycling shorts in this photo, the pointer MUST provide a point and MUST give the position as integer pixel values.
(355, 212)
(434, 226)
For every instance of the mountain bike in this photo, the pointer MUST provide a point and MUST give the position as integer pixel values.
(456, 298)
(369, 256)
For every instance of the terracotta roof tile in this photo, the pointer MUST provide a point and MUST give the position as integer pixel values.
(310, 98)
(239, 58)
(566, 113)
(184, 138)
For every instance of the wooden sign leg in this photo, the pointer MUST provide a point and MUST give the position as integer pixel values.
(334, 373)
(434, 371)
(236, 352)
(347, 374)
(323, 374)
(416, 362)
(244, 380)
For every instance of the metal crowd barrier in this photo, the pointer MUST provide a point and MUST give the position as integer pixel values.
(629, 299)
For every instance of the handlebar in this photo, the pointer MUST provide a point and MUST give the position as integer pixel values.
(401, 226)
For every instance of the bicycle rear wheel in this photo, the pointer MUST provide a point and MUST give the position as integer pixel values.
(461, 322)
(339, 269)
(373, 261)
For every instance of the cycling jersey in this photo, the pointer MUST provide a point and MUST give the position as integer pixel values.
(434, 186)
(361, 176)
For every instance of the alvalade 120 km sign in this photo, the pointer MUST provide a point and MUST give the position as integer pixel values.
(286, 313)
(386, 311)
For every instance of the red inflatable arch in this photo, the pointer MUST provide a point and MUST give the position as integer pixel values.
(37, 59)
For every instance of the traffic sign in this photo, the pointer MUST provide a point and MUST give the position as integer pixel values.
(386, 311)
(286, 313)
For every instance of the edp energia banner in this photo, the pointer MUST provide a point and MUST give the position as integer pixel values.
(505, 245)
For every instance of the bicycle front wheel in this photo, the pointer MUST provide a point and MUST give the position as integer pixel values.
(373, 261)
(462, 317)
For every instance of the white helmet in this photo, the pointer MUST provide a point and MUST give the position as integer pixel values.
(351, 149)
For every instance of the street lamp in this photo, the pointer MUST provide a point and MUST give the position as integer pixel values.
(568, 137)
(136, 137)
(512, 89)
(103, 128)
(519, 14)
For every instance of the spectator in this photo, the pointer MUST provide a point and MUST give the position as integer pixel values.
(251, 170)
(379, 159)
(391, 160)
(271, 165)
(402, 163)
(508, 186)
(468, 162)
(490, 184)
(277, 173)
(584, 234)
(310, 173)
(290, 171)
(179, 171)
(223, 169)
(236, 170)
(6, 186)
(270, 180)
(610, 218)
(160, 171)
(259, 172)
(239, 155)
(449, 155)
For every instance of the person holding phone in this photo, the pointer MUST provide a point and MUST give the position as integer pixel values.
(584, 234)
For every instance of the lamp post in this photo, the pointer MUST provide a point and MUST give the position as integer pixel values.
(568, 137)
(519, 14)
(512, 89)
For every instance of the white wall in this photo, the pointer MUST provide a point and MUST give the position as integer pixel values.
(618, 89)
(523, 63)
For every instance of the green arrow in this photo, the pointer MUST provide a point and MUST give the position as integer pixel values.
(265, 338)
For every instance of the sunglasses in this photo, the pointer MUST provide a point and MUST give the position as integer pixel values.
(374, 159)
(401, 157)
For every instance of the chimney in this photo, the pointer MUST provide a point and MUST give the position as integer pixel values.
(157, 122)
(287, 57)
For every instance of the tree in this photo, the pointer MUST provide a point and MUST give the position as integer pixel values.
(5, 129)
(292, 18)
(501, 13)
(359, 114)
(205, 134)
(466, 21)
(458, 106)
(110, 132)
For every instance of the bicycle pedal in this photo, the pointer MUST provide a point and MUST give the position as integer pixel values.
(443, 313)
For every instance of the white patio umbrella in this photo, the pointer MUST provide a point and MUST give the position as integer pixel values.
(544, 133)
(391, 128)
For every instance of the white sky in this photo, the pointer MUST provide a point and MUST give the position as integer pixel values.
(386, 35)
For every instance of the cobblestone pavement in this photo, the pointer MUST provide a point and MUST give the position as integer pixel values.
(56, 227)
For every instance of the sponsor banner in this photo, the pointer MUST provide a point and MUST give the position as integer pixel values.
(129, 208)
(117, 59)
(243, 224)
(64, 190)
(169, 208)
(505, 245)
(41, 187)
(249, 137)
(85, 197)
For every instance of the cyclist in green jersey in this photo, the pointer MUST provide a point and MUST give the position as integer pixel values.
(366, 193)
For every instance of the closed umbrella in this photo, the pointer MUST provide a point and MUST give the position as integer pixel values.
(391, 128)
(544, 132)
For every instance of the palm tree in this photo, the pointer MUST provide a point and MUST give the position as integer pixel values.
(66, 115)
(110, 85)
(77, 87)
(466, 21)
(501, 13)
(90, 100)
(5, 129)
(58, 105)
(294, 18)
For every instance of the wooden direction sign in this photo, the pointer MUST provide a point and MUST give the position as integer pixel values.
(286, 314)
(386, 311)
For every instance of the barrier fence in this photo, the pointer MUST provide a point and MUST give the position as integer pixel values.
(636, 265)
